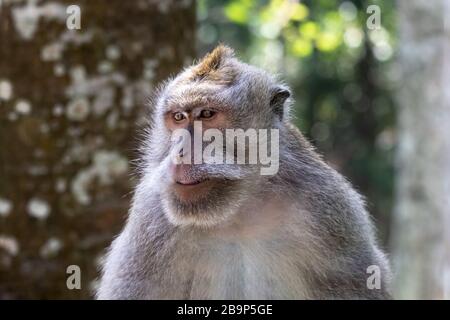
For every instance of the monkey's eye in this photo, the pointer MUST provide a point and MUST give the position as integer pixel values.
(178, 116)
(206, 114)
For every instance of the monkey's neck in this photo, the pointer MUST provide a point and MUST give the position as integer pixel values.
(254, 219)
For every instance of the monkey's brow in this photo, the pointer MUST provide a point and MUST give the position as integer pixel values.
(187, 104)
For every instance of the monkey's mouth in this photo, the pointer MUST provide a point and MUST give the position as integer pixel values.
(190, 182)
(190, 190)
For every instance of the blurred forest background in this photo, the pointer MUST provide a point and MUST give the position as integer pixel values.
(73, 101)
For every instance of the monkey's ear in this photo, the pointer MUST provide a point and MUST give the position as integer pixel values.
(279, 96)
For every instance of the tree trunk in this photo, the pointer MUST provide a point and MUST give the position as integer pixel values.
(70, 105)
(421, 232)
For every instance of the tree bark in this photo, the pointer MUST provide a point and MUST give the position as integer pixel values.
(71, 102)
(421, 231)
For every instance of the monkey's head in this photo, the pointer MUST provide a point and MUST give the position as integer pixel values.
(219, 93)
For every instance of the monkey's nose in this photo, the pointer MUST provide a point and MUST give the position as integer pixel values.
(184, 174)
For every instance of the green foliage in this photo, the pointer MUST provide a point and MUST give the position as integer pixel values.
(340, 71)
(238, 11)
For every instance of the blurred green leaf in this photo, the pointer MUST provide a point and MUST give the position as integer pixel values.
(301, 47)
(309, 30)
(237, 11)
(300, 12)
(328, 41)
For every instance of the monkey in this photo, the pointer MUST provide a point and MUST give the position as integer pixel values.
(225, 231)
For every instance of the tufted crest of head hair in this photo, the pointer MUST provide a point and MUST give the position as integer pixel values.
(215, 66)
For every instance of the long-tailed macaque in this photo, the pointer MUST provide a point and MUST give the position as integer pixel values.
(226, 231)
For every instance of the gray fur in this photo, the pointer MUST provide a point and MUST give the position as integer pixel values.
(301, 234)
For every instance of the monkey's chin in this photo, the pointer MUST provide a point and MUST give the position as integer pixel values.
(197, 219)
(212, 207)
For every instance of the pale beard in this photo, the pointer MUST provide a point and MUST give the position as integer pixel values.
(208, 209)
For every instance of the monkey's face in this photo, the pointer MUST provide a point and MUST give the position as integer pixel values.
(201, 190)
